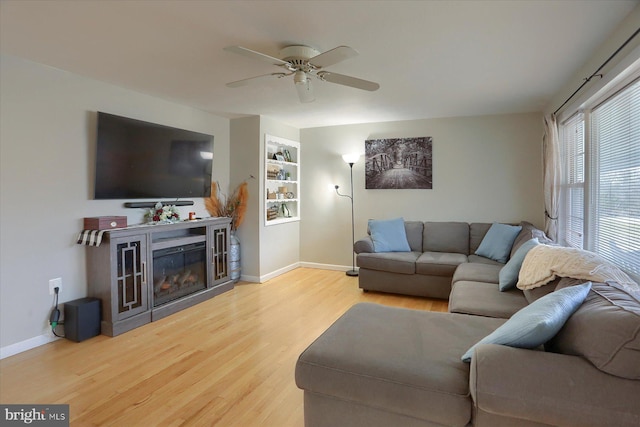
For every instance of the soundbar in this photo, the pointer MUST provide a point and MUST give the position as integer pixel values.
(152, 204)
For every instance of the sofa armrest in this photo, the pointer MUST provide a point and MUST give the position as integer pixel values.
(550, 388)
(364, 245)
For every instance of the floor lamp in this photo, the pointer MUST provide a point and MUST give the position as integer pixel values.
(351, 159)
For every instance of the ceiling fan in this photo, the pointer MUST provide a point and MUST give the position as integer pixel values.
(304, 62)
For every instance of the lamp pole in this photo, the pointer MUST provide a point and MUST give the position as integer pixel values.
(351, 159)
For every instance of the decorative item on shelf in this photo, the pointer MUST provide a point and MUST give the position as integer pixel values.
(279, 156)
(290, 195)
(287, 176)
(272, 172)
(105, 222)
(272, 213)
(271, 195)
(162, 214)
(285, 211)
(287, 155)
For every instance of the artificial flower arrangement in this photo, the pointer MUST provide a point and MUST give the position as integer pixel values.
(163, 214)
(234, 206)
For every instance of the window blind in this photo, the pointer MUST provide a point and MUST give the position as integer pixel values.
(572, 222)
(614, 226)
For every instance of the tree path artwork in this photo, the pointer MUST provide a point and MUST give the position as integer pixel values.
(399, 163)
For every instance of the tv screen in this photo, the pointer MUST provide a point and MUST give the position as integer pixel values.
(141, 160)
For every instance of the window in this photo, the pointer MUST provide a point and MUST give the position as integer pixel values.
(601, 185)
(573, 186)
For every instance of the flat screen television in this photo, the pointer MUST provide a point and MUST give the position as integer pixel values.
(141, 160)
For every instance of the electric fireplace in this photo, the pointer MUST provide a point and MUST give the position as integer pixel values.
(178, 271)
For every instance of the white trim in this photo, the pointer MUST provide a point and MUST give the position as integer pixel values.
(326, 266)
(25, 345)
(252, 279)
(279, 272)
(293, 266)
(34, 342)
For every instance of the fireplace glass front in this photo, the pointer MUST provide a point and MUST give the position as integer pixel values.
(178, 271)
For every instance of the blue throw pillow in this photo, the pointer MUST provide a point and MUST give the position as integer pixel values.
(508, 276)
(497, 243)
(538, 322)
(389, 235)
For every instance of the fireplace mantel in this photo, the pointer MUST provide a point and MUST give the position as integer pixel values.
(121, 270)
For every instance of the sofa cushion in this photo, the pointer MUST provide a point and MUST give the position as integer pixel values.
(403, 361)
(439, 263)
(512, 387)
(509, 273)
(605, 330)
(558, 283)
(414, 230)
(476, 272)
(477, 259)
(484, 299)
(536, 293)
(389, 235)
(393, 262)
(528, 232)
(498, 241)
(446, 237)
(538, 322)
(477, 231)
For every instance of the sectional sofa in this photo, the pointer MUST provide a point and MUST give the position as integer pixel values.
(386, 366)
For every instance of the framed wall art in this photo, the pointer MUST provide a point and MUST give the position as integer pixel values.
(399, 163)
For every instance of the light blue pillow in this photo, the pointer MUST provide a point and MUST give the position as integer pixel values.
(538, 322)
(389, 235)
(497, 243)
(508, 277)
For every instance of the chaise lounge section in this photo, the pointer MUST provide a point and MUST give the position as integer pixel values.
(387, 366)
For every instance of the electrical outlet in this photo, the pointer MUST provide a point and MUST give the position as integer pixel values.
(55, 283)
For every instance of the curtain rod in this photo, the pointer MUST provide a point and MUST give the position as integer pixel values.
(597, 72)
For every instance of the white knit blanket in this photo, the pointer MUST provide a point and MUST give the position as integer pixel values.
(544, 263)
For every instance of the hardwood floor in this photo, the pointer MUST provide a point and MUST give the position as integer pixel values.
(228, 361)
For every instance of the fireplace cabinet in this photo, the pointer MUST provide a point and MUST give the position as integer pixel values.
(146, 272)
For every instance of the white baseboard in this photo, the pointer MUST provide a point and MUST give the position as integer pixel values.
(278, 272)
(326, 266)
(25, 345)
(34, 342)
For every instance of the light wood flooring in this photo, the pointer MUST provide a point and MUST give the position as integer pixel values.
(228, 361)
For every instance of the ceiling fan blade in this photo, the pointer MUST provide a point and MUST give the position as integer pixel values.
(305, 91)
(255, 55)
(252, 80)
(333, 56)
(341, 79)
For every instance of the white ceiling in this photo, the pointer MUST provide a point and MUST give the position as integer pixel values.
(431, 58)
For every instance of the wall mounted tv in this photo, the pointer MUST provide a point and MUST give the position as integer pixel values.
(141, 160)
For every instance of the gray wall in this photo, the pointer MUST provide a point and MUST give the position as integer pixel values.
(484, 169)
(47, 135)
(265, 250)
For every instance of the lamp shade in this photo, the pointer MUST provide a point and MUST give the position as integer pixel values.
(351, 158)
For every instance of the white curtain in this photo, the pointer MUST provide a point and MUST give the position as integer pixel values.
(552, 176)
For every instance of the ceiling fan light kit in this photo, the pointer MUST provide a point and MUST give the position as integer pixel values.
(303, 62)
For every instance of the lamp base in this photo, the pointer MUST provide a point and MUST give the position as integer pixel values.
(352, 273)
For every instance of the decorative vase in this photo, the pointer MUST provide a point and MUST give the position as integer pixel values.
(234, 258)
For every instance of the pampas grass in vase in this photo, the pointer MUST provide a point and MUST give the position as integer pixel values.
(234, 206)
